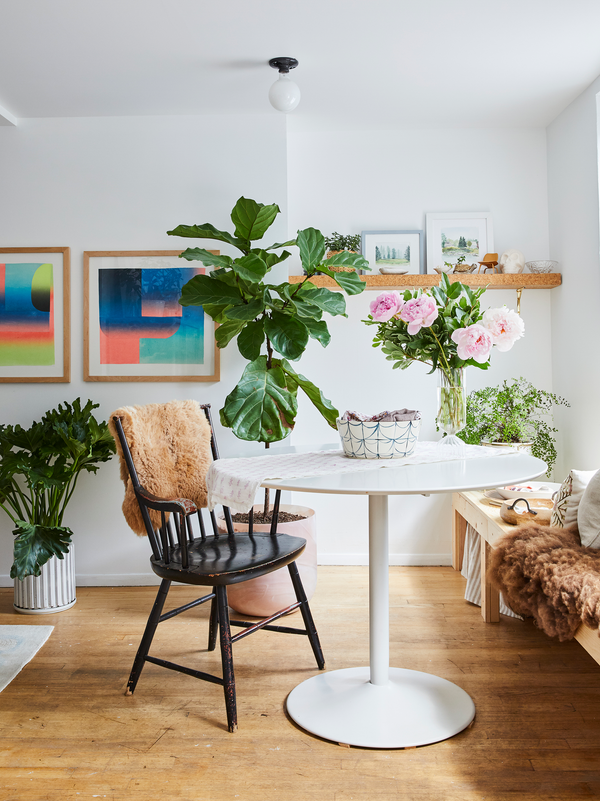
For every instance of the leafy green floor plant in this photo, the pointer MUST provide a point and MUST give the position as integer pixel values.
(39, 468)
(272, 322)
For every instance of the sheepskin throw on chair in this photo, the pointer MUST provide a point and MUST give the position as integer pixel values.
(170, 447)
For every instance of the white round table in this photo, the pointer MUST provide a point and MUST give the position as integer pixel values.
(378, 706)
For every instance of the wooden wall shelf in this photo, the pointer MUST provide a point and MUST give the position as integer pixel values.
(490, 280)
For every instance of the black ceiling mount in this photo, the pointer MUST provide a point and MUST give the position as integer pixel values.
(283, 64)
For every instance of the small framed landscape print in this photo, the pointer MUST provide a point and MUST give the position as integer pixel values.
(451, 237)
(134, 327)
(394, 252)
(35, 315)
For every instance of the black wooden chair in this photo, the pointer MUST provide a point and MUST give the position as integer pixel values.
(214, 560)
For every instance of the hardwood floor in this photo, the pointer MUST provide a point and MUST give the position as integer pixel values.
(68, 733)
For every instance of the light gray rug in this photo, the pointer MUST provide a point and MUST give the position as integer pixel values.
(18, 645)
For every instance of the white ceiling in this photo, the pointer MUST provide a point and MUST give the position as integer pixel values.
(379, 62)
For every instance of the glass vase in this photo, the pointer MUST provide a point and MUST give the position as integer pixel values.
(452, 409)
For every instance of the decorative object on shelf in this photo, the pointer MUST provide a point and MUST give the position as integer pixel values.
(452, 235)
(336, 243)
(447, 268)
(543, 266)
(35, 315)
(513, 413)
(512, 261)
(397, 252)
(284, 94)
(461, 265)
(134, 327)
(39, 469)
(267, 318)
(387, 435)
(489, 262)
(444, 328)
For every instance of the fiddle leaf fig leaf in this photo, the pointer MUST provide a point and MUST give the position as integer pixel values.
(346, 258)
(207, 231)
(247, 311)
(325, 407)
(227, 331)
(333, 303)
(288, 334)
(318, 330)
(203, 289)
(251, 267)
(312, 248)
(349, 282)
(252, 219)
(34, 545)
(262, 407)
(278, 245)
(206, 257)
(250, 340)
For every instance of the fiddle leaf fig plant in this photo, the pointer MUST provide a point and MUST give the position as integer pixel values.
(39, 468)
(273, 323)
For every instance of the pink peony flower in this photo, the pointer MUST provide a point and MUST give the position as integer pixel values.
(385, 306)
(505, 327)
(474, 342)
(419, 313)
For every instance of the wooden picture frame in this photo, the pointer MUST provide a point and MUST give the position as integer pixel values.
(394, 252)
(474, 227)
(134, 327)
(35, 315)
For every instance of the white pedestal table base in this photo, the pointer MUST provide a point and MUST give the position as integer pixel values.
(412, 709)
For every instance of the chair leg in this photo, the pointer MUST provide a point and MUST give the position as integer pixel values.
(307, 615)
(214, 624)
(146, 642)
(227, 658)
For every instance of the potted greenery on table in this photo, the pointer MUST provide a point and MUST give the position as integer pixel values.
(273, 322)
(39, 469)
(513, 413)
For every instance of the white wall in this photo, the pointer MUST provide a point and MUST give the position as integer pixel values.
(349, 181)
(121, 183)
(574, 241)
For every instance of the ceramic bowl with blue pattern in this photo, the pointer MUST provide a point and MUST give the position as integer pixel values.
(369, 440)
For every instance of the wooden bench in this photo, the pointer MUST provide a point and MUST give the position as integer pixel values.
(474, 508)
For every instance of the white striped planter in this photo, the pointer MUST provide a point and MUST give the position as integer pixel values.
(53, 591)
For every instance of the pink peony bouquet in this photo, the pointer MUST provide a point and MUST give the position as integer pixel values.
(443, 327)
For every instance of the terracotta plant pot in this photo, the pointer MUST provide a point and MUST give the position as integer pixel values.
(265, 595)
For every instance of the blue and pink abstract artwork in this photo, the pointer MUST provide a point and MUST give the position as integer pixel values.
(141, 321)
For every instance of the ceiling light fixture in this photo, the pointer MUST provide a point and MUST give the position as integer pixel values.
(284, 95)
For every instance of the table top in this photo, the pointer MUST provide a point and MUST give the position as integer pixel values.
(422, 479)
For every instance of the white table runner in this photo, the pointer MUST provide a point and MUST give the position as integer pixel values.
(235, 482)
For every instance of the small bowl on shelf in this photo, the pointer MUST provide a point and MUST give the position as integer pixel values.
(542, 266)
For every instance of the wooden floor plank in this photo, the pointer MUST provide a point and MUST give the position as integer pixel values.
(67, 732)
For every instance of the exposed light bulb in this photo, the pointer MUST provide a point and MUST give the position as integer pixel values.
(284, 95)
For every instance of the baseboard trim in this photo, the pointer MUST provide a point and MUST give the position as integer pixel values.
(400, 559)
(350, 559)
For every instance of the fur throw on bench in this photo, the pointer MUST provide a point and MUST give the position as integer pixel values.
(170, 448)
(545, 573)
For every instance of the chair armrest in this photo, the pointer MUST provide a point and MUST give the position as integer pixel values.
(182, 506)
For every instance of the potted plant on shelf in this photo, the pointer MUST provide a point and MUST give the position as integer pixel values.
(338, 243)
(39, 469)
(514, 413)
(273, 323)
